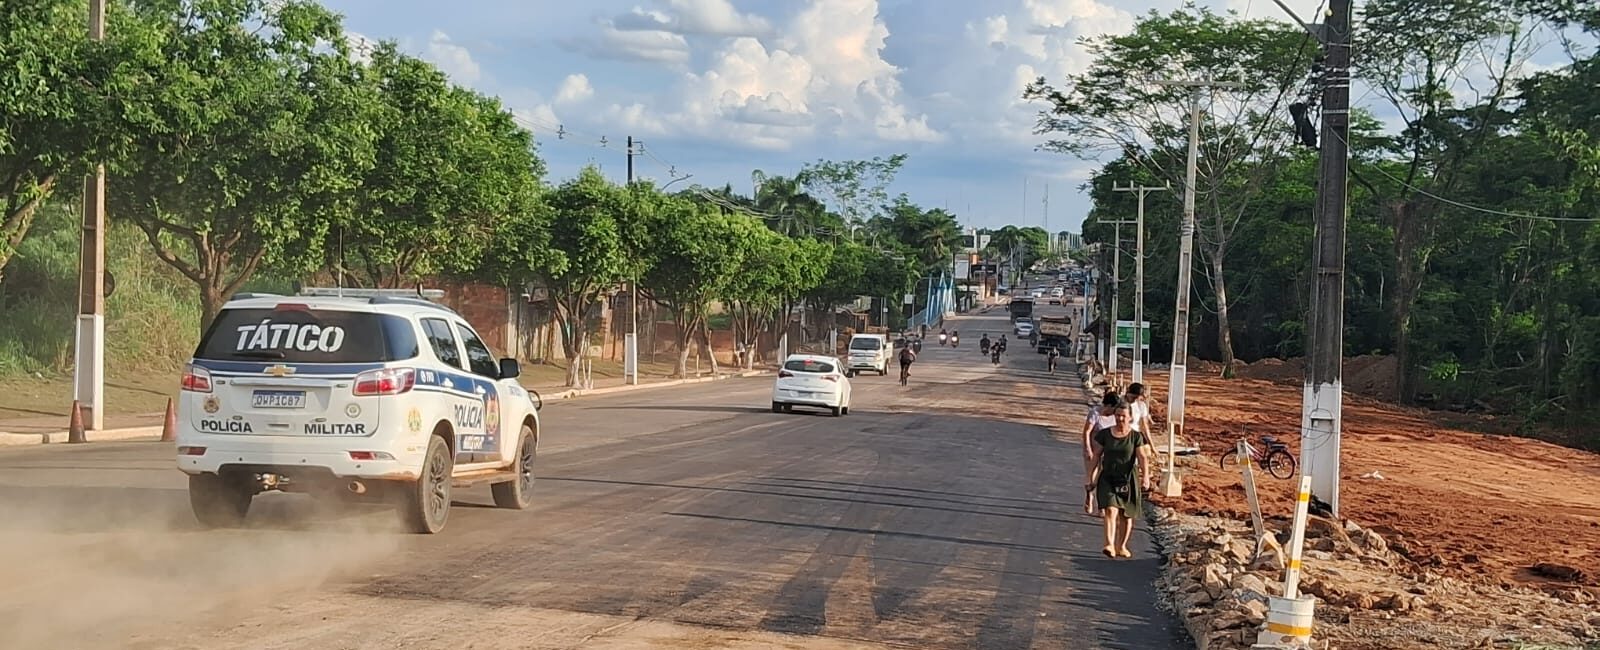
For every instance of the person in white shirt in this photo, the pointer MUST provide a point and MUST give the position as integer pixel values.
(1139, 409)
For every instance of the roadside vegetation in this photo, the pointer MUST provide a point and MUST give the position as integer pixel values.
(248, 146)
(1473, 236)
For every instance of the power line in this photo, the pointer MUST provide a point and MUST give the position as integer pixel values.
(1476, 208)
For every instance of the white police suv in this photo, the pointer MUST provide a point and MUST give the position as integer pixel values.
(359, 394)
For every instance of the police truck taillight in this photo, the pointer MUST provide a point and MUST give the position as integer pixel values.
(196, 379)
(387, 381)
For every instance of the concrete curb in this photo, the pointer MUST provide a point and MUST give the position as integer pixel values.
(572, 393)
(8, 439)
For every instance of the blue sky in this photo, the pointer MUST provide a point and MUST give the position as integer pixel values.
(716, 88)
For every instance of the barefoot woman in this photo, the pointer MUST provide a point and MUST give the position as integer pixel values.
(1119, 454)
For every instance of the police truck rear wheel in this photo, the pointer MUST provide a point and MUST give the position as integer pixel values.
(517, 494)
(425, 504)
(218, 501)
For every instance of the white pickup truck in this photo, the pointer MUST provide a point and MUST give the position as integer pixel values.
(869, 352)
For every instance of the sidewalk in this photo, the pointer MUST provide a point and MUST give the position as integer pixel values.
(45, 429)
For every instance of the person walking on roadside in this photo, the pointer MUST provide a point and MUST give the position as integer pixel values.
(1121, 458)
(1139, 409)
(1101, 416)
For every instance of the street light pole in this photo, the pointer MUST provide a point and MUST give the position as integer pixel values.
(1138, 291)
(1180, 329)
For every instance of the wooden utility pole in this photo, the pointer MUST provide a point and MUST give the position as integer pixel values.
(1321, 410)
(89, 346)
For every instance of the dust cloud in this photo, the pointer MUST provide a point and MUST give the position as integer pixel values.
(99, 567)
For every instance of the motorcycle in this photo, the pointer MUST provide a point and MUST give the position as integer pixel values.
(943, 340)
(994, 356)
(955, 341)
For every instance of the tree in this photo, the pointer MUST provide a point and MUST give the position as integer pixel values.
(54, 117)
(589, 254)
(696, 251)
(453, 163)
(790, 209)
(857, 189)
(1108, 108)
(775, 271)
(1437, 43)
(248, 133)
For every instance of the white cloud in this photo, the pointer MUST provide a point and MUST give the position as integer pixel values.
(574, 89)
(1004, 52)
(642, 45)
(703, 17)
(453, 59)
(825, 73)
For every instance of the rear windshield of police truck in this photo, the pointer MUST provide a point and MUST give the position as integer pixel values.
(300, 335)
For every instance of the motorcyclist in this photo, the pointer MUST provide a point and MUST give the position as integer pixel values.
(1002, 344)
(994, 355)
(1050, 359)
(955, 339)
(943, 336)
(984, 343)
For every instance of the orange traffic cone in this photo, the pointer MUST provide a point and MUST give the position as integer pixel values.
(169, 428)
(75, 426)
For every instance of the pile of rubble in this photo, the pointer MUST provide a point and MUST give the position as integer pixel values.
(1368, 593)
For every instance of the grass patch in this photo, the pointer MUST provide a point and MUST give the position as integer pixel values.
(152, 315)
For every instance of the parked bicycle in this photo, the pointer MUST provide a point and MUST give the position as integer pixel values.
(1274, 455)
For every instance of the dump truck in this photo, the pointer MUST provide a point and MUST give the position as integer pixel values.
(1055, 332)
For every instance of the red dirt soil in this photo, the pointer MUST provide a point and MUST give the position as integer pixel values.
(1466, 504)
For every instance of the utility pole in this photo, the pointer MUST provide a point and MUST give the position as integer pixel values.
(1180, 329)
(89, 347)
(1116, 301)
(1138, 290)
(1322, 408)
(630, 349)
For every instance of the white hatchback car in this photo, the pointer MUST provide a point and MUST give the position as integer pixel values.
(811, 380)
(381, 397)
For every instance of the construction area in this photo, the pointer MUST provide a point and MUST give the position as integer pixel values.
(1450, 536)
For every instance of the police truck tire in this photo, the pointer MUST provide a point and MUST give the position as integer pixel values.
(517, 494)
(425, 503)
(218, 501)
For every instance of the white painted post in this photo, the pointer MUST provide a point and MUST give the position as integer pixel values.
(1297, 539)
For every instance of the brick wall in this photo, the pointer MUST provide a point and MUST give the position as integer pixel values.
(486, 307)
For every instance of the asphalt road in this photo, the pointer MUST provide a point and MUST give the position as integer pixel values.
(675, 517)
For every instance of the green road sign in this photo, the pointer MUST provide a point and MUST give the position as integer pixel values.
(1125, 334)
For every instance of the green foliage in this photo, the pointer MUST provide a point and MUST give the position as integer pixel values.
(1489, 296)
(248, 134)
(151, 321)
(857, 189)
(453, 165)
(53, 115)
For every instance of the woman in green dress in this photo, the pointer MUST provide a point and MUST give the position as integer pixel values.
(1121, 476)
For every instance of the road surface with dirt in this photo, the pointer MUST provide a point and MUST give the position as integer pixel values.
(685, 517)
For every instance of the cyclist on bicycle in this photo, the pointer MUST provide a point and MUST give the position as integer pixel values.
(907, 357)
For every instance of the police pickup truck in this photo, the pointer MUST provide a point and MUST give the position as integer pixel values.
(370, 395)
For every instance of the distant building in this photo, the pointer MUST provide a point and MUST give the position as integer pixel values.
(1069, 242)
